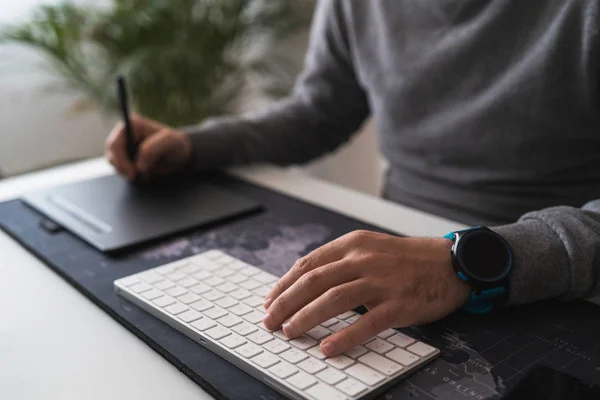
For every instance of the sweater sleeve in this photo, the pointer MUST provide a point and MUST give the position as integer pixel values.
(556, 253)
(325, 108)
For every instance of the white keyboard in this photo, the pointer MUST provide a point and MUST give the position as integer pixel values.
(217, 301)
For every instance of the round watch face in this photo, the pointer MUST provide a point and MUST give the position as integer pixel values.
(484, 255)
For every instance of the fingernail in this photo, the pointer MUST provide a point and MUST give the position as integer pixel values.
(328, 348)
(267, 303)
(287, 329)
(267, 320)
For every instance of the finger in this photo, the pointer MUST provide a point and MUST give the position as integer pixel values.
(153, 149)
(369, 325)
(326, 254)
(332, 303)
(116, 152)
(307, 288)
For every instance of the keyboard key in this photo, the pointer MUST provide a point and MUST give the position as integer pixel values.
(381, 364)
(250, 284)
(279, 333)
(129, 281)
(211, 254)
(202, 275)
(312, 366)
(200, 288)
(260, 337)
(176, 276)
(230, 320)
(330, 322)
(164, 301)
(244, 329)
(323, 392)
(265, 359)
(215, 281)
(421, 349)
(340, 362)
(387, 333)
(218, 332)
(215, 312)
(164, 285)
(403, 357)
(262, 291)
(331, 376)
(318, 332)
(166, 269)
(227, 287)
(151, 277)
(176, 308)
(188, 298)
(176, 291)
(249, 271)
(276, 346)
(233, 341)
(140, 287)
(249, 350)
(240, 294)
(224, 272)
(187, 282)
(240, 309)
(254, 301)
(339, 326)
(351, 387)
(356, 352)
(202, 305)
(207, 265)
(152, 294)
(237, 278)
(302, 380)
(254, 317)
(379, 346)
(236, 265)
(365, 374)
(316, 352)
(352, 320)
(283, 369)
(189, 316)
(303, 342)
(213, 295)
(226, 302)
(401, 340)
(225, 259)
(293, 356)
(190, 269)
(347, 315)
(203, 324)
(265, 278)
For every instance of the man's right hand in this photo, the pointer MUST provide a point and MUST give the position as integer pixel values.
(161, 150)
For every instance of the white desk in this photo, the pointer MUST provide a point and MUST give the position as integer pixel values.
(55, 344)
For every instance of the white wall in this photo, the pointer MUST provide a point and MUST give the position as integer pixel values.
(38, 129)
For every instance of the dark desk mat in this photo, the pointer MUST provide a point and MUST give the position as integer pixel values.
(482, 356)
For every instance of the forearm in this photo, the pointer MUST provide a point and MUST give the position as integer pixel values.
(556, 253)
(327, 106)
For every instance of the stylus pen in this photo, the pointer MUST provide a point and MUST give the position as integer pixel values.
(131, 145)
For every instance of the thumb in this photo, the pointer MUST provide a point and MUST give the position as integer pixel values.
(153, 149)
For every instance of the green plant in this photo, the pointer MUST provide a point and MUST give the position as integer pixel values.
(184, 59)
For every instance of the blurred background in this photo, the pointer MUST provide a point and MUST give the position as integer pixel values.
(184, 60)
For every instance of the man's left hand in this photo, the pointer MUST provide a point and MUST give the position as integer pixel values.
(401, 281)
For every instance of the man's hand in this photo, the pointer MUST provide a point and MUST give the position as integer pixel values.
(402, 281)
(161, 150)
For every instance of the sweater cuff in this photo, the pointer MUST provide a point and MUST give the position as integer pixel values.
(540, 262)
(212, 144)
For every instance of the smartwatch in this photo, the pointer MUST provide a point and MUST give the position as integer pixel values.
(483, 260)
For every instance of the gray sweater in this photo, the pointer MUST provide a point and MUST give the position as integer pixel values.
(488, 112)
